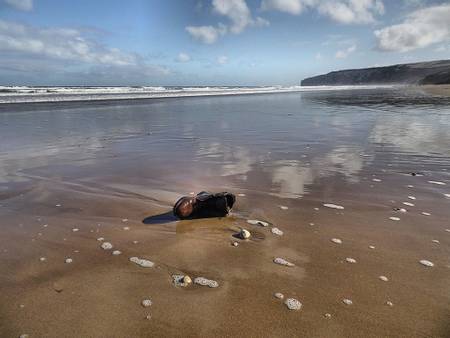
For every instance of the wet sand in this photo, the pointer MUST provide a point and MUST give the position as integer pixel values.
(438, 90)
(124, 180)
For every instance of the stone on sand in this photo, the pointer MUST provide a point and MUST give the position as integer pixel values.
(347, 301)
(69, 260)
(146, 302)
(350, 260)
(277, 232)
(293, 304)
(181, 280)
(389, 303)
(106, 246)
(426, 263)
(394, 218)
(409, 204)
(206, 282)
(282, 261)
(437, 182)
(283, 207)
(142, 262)
(425, 213)
(244, 234)
(327, 315)
(100, 239)
(383, 278)
(116, 252)
(278, 295)
(411, 198)
(333, 206)
(336, 240)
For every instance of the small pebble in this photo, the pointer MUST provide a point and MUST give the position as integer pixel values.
(100, 239)
(146, 303)
(235, 244)
(241, 195)
(24, 335)
(371, 247)
(436, 182)
(244, 234)
(333, 206)
(181, 280)
(282, 261)
(350, 260)
(45, 225)
(126, 228)
(142, 262)
(316, 209)
(347, 301)
(206, 282)
(283, 207)
(411, 197)
(148, 317)
(376, 180)
(69, 260)
(410, 186)
(106, 246)
(426, 263)
(277, 231)
(257, 222)
(293, 304)
(394, 218)
(435, 241)
(125, 220)
(447, 195)
(57, 205)
(327, 315)
(116, 252)
(42, 259)
(278, 295)
(336, 240)
(425, 213)
(75, 229)
(389, 303)
(408, 204)
(383, 278)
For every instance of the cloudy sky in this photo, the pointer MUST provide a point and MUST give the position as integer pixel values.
(212, 42)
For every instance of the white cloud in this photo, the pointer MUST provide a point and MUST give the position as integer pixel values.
(23, 5)
(420, 29)
(221, 60)
(183, 57)
(206, 34)
(236, 11)
(342, 11)
(318, 56)
(342, 54)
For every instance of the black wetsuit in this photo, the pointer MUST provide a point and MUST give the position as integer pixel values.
(206, 204)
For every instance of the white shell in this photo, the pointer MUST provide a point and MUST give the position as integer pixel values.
(116, 252)
(283, 207)
(206, 282)
(426, 213)
(435, 241)
(371, 247)
(277, 231)
(278, 295)
(100, 239)
(42, 259)
(106, 246)
(376, 180)
(336, 240)
(69, 260)
(333, 206)
(293, 304)
(394, 218)
(75, 229)
(350, 260)
(411, 197)
(436, 182)
(257, 222)
(146, 303)
(282, 261)
(389, 303)
(383, 278)
(244, 234)
(347, 301)
(426, 263)
(142, 262)
(409, 204)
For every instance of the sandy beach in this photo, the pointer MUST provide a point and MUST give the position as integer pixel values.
(85, 174)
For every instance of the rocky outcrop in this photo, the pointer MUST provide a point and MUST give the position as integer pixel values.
(433, 72)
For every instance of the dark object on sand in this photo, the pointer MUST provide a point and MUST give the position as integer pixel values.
(204, 205)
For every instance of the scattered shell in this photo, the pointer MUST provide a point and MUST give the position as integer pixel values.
(278, 295)
(333, 206)
(100, 239)
(350, 260)
(148, 317)
(75, 229)
(181, 280)
(146, 303)
(244, 234)
(45, 225)
(376, 180)
(383, 278)
(116, 252)
(448, 230)
(257, 222)
(206, 282)
(447, 195)
(435, 241)
(425, 213)
(389, 303)
(394, 218)
(283, 207)
(69, 260)
(311, 224)
(437, 182)
(277, 231)
(142, 262)
(282, 261)
(347, 301)
(400, 209)
(42, 259)
(336, 240)
(58, 205)
(126, 228)
(106, 246)
(411, 197)
(371, 247)
(316, 209)
(241, 195)
(327, 315)
(408, 204)
(293, 304)
(426, 263)
(125, 220)
(410, 186)
(135, 242)
(24, 335)
(235, 244)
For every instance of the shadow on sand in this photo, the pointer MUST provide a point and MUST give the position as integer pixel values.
(161, 218)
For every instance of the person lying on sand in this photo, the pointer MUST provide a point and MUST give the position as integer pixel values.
(204, 204)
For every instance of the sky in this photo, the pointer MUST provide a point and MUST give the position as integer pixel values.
(212, 42)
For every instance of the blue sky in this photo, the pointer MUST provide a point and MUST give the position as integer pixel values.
(212, 42)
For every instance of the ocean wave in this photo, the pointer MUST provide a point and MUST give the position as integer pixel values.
(25, 94)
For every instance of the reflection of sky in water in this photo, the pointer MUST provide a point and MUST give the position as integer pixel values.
(288, 141)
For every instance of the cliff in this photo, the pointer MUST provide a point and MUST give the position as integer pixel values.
(433, 72)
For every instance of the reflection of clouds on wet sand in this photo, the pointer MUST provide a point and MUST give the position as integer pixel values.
(420, 135)
(289, 178)
(232, 160)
